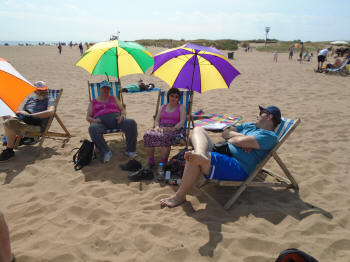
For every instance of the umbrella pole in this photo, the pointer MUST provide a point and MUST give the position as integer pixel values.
(190, 120)
(190, 106)
(120, 83)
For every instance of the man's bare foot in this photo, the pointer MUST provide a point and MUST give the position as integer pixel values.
(171, 202)
(196, 158)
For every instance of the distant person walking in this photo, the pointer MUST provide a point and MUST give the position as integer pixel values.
(59, 48)
(321, 57)
(81, 48)
(291, 52)
(275, 56)
(301, 51)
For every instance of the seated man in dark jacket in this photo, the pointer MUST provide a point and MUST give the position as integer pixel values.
(33, 118)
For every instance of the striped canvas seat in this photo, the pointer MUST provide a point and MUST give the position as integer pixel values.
(94, 92)
(283, 130)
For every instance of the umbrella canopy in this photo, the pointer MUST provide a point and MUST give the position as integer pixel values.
(14, 88)
(116, 58)
(339, 42)
(194, 67)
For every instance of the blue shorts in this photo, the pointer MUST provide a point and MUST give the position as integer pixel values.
(225, 168)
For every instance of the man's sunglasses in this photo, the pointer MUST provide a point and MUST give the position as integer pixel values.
(263, 112)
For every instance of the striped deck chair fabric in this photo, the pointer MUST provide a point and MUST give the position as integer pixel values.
(283, 130)
(94, 92)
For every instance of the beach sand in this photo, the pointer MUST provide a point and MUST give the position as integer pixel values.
(57, 214)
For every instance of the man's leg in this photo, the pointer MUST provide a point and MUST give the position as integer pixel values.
(5, 248)
(197, 162)
(10, 137)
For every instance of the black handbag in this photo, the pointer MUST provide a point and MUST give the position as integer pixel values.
(29, 119)
(222, 148)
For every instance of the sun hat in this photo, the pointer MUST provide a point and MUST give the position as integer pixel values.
(105, 83)
(273, 110)
(41, 85)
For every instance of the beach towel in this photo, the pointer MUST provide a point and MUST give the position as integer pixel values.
(215, 122)
(135, 88)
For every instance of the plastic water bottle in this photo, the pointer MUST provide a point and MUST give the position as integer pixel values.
(176, 181)
(167, 175)
(161, 176)
(4, 141)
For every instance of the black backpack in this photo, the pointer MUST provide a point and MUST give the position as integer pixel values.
(176, 164)
(84, 155)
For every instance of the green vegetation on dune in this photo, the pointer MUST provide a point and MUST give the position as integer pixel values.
(229, 44)
(223, 44)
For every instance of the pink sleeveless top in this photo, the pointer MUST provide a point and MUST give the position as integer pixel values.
(102, 108)
(172, 118)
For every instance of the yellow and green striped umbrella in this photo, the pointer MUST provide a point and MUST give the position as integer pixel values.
(116, 58)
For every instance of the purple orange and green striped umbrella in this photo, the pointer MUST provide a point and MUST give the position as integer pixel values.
(194, 67)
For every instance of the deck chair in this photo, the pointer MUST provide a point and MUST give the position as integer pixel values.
(56, 95)
(186, 98)
(340, 69)
(94, 92)
(283, 131)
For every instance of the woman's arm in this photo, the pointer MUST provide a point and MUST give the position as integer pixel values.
(122, 110)
(89, 115)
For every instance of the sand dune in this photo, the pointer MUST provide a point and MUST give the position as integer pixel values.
(96, 214)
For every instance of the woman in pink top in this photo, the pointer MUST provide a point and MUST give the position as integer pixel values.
(169, 124)
(107, 112)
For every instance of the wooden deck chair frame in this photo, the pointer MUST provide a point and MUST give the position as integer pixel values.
(187, 98)
(283, 132)
(56, 94)
(94, 92)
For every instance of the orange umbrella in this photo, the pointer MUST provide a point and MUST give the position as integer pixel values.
(14, 88)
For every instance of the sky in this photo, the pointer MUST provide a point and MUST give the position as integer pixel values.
(93, 21)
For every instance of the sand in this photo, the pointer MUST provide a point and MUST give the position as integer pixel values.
(57, 214)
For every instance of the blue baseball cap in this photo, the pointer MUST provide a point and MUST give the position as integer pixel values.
(273, 110)
(105, 84)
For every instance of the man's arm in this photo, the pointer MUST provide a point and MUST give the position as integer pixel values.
(230, 132)
(248, 142)
(45, 114)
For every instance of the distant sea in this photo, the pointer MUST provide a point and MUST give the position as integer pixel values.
(16, 43)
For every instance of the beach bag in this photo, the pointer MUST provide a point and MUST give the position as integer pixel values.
(222, 148)
(29, 119)
(176, 164)
(294, 255)
(84, 155)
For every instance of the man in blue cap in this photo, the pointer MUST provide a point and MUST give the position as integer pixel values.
(247, 145)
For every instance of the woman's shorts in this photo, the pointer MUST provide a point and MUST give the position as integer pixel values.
(225, 168)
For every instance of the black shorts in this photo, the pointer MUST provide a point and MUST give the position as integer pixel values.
(321, 58)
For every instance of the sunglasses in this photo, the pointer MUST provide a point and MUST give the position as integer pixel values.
(264, 112)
